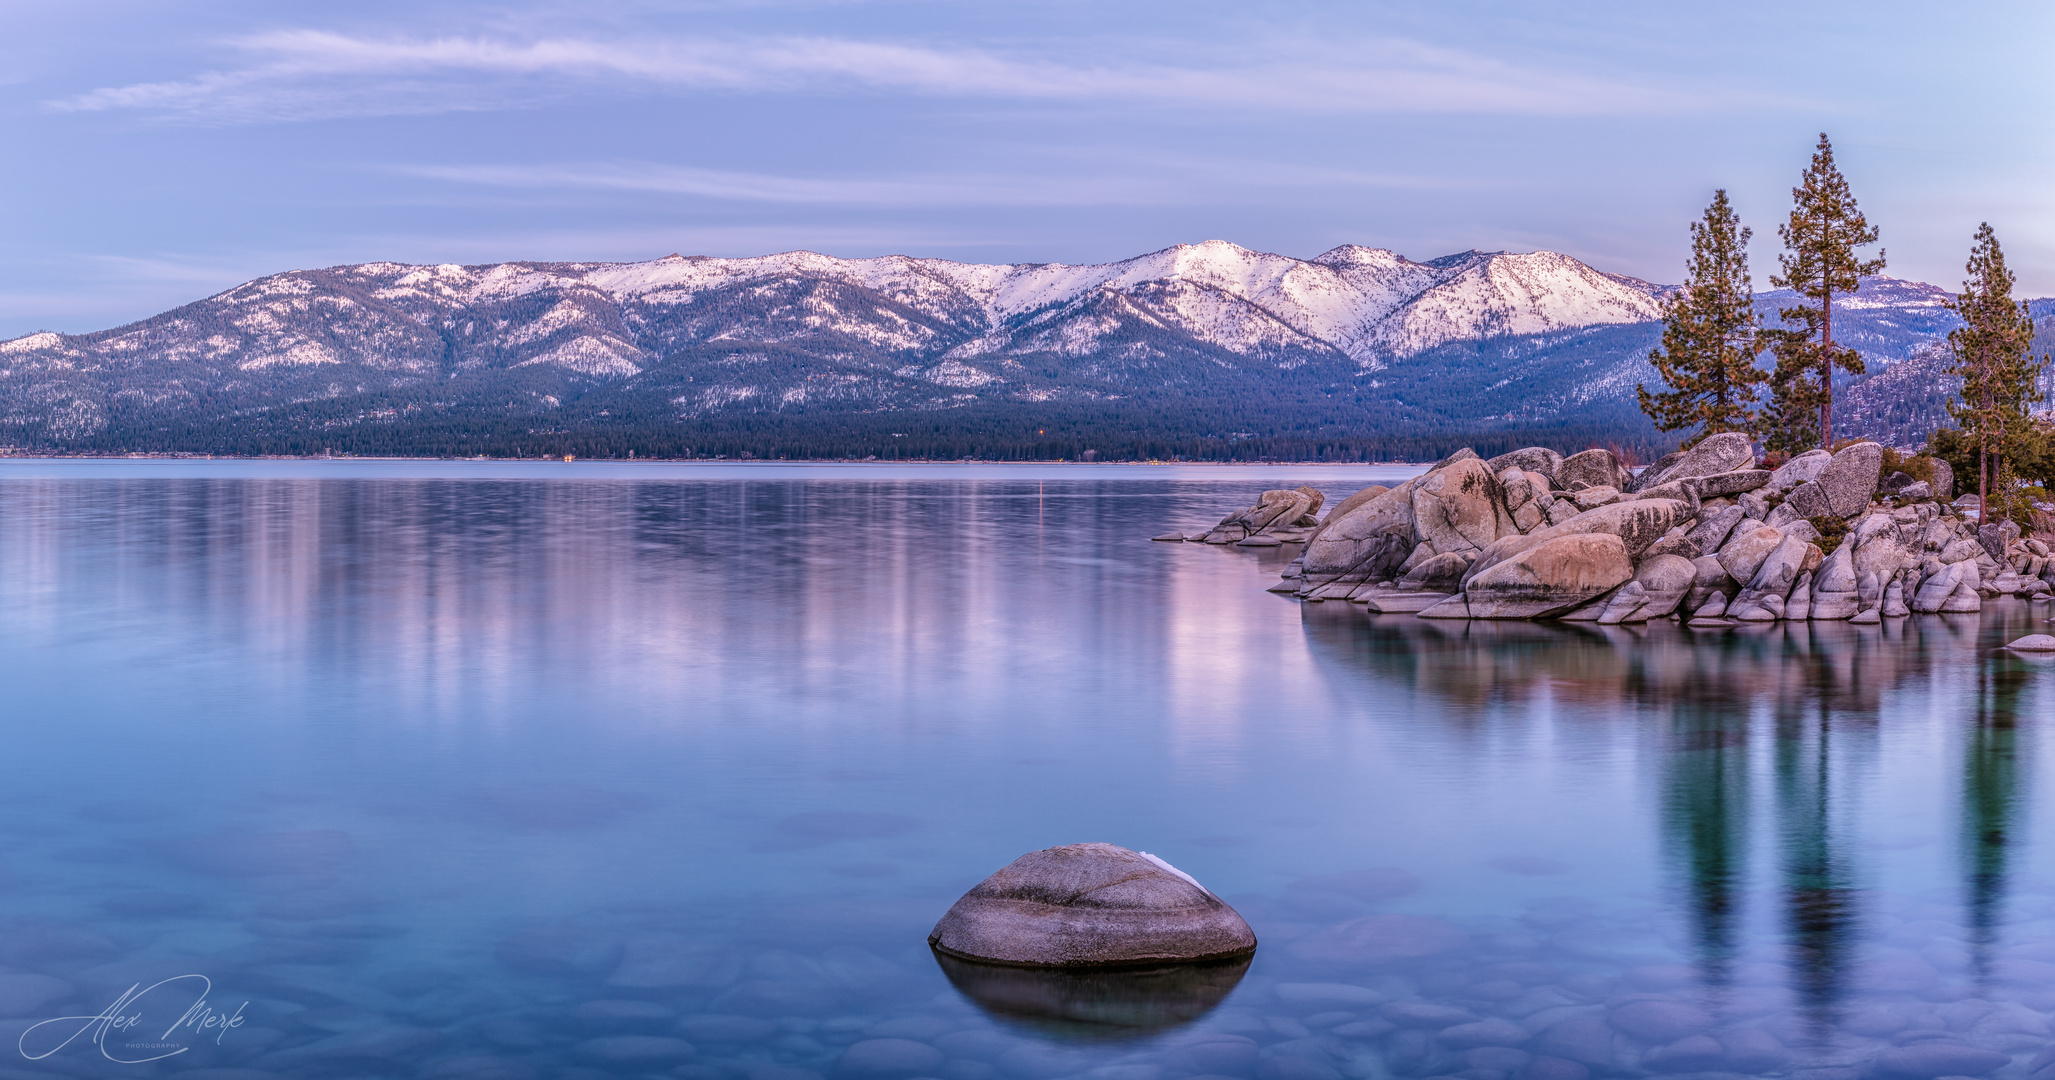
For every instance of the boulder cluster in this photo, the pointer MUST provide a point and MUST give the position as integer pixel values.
(1705, 534)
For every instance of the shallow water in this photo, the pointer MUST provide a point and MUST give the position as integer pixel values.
(537, 773)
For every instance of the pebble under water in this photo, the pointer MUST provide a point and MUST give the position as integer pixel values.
(547, 774)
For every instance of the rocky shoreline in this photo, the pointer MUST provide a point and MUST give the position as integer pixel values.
(1707, 535)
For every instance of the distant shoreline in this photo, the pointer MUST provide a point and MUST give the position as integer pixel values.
(724, 461)
(1268, 475)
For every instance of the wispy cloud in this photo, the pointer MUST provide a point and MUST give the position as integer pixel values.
(970, 190)
(305, 74)
(1166, 182)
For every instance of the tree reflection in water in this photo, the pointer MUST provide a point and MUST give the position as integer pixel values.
(1758, 729)
(1990, 800)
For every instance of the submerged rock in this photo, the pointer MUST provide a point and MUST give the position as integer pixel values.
(1396, 601)
(1927, 1060)
(1380, 939)
(1091, 905)
(636, 1051)
(887, 1059)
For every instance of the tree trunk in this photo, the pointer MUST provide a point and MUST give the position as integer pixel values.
(1827, 368)
(1983, 485)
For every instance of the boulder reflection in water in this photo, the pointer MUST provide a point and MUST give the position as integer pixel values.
(1096, 1004)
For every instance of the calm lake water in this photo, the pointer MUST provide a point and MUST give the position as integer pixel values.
(546, 772)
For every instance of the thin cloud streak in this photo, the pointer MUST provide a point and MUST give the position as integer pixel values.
(307, 74)
(758, 187)
(1200, 186)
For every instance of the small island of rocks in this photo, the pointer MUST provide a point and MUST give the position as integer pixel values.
(1707, 534)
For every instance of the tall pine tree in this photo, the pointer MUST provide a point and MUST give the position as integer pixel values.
(1791, 421)
(1819, 261)
(1708, 351)
(1999, 380)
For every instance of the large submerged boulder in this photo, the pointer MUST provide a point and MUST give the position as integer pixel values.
(1091, 905)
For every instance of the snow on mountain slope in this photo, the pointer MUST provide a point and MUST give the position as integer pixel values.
(1362, 301)
(612, 319)
(1876, 292)
(1373, 305)
(799, 330)
(1887, 319)
(1503, 295)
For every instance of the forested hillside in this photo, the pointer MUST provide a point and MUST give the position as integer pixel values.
(1205, 351)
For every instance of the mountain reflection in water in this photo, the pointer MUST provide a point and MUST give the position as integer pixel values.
(1770, 742)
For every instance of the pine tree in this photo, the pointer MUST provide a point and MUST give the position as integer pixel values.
(1819, 260)
(1791, 422)
(1708, 351)
(1999, 380)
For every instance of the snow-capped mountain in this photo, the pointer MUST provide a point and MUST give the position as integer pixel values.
(1357, 339)
(1887, 320)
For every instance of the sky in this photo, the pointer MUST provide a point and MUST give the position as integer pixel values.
(154, 154)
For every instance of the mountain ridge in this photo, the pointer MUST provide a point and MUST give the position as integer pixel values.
(1354, 342)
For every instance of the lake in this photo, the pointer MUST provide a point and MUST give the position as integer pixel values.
(535, 771)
